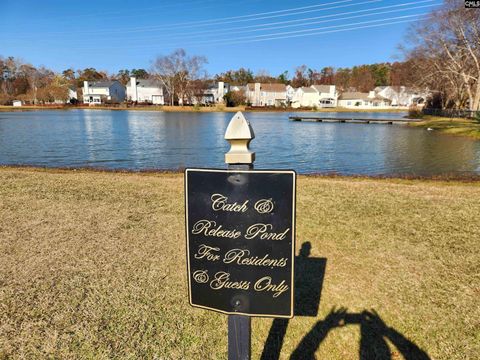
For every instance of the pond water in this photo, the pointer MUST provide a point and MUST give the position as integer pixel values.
(139, 140)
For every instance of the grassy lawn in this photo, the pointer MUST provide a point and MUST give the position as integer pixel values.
(93, 267)
(452, 126)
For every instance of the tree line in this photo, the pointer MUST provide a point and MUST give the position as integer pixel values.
(441, 55)
(184, 77)
(357, 78)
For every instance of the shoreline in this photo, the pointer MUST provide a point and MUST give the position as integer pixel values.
(449, 177)
(467, 128)
(203, 109)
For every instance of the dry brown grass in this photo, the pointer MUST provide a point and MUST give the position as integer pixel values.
(93, 266)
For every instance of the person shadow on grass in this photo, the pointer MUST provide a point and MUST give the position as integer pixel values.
(309, 274)
(374, 334)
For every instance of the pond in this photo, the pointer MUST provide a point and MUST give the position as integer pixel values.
(140, 140)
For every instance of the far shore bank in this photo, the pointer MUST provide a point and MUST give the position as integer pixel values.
(450, 126)
(218, 108)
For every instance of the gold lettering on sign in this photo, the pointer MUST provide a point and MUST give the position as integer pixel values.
(200, 276)
(264, 206)
(260, 231)
(209, 228)
(219, 203)
(222, 281)
(207, 252)
(240, 256)
(265, 284)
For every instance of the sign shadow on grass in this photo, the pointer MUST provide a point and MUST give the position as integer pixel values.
(309, 274)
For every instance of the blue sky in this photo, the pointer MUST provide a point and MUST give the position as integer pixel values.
(275, 35)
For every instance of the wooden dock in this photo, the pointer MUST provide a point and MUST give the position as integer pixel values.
(351, 120)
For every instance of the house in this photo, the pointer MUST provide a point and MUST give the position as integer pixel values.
(98, 92)
(72, 94)
(16, 103)
(305, 97)
(290, 93)
(145, 91)
(359, 100)
(238, 88)
(402, 96)
(327, 94)
(214, 93)
(261, 94)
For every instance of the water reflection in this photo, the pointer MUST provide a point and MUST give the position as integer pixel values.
(145, 140)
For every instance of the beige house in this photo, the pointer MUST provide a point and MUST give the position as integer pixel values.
(259, 94)
(305, 97)
(327, 94)
(359, 100)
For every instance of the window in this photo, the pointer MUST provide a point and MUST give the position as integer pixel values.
(349, 103)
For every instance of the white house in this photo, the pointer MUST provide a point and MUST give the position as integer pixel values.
(214, 93)
(305, 97)
(327, 94)
(259, 94)
(401, 96)
(145, 91)
(16, 103)
(238, 88)
(72, 94)
(359, 100)
(290, 93)
(98, 92)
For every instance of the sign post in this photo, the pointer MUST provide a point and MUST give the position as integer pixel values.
(239, 133)
(240, 227)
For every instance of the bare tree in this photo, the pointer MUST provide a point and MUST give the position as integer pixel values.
(446, 54)
(177, 72)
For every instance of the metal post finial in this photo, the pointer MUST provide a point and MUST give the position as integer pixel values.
(239, 134)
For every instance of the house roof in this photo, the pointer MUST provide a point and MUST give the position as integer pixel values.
(322, 88)
(354, 96)
(308, 89)
(275, 87)
(101, 84)
(238, 87)
(361, 96)
(147, 83)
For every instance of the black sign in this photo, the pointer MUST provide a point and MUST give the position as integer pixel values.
(240, 229)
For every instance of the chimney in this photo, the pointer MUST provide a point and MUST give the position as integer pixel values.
(257, 94)
(221, 91)
(85, 87)
(133, 88)
(371, 94)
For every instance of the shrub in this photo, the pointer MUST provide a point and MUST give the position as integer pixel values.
(234, 98)
(477, 116)
(414, 112)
